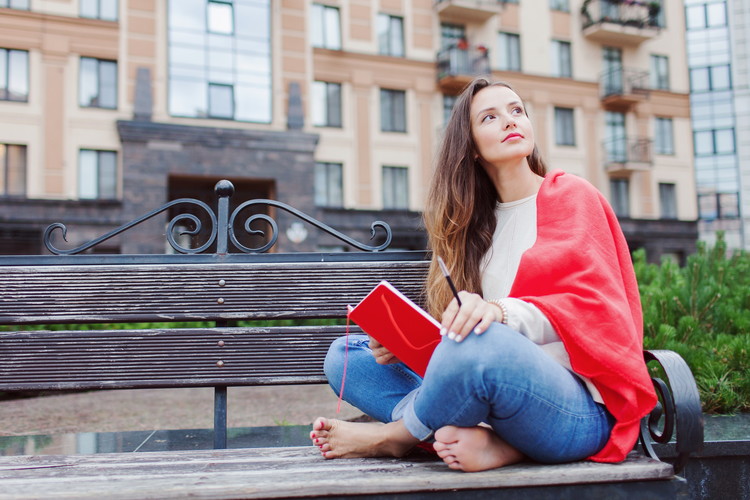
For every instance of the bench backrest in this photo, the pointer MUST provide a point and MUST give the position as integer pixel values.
(218, 291)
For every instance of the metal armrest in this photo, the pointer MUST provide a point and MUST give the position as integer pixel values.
(678, 408)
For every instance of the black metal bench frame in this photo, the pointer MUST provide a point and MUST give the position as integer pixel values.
(223, 288)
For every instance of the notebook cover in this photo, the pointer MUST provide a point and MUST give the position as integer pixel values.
(399, 324)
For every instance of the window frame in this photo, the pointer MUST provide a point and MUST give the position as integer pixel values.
(5, 171)
(565, 133)
(659, 74)
(713, 135)
(562, 64)
(390, 109)
(99, 153)
(100, 63)
(5, 85)
(664, 136)
(392, 189)
(390, 31)
(332, 112)
(668, 210)
(620, 201)
(504, 49)
(98, 15)
(324, 42)
(327, 199)
(559, 5)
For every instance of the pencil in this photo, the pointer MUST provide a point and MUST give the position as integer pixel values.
(448, 277)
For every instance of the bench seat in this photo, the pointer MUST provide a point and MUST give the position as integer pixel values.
(301, 472)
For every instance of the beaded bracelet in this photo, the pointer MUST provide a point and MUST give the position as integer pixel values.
(499, 303)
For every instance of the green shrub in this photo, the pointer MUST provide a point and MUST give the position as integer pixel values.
(702, 312)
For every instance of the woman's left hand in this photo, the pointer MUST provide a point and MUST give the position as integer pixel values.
(474, 316)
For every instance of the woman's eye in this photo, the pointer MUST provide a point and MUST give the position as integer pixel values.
(487, 118)
(517, 110)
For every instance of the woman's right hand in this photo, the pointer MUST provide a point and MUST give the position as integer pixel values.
(382, 355)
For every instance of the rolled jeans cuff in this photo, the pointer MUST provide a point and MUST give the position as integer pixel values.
(415, 426)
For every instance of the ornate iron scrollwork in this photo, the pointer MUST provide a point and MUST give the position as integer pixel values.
(222, 226)
(678, 409)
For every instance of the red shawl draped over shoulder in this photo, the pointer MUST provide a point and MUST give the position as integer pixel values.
(580, 275)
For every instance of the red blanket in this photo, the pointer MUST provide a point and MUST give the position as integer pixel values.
(580, 275)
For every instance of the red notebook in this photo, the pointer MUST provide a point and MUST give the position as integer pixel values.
(399, 324)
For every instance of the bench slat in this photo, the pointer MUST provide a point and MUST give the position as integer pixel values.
(134, 293)
(190, 357)
(282, 472)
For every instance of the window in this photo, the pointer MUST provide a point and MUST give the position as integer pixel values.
(220, 17)
(664, 137)
(12, 170)
(448, 102)
(15, 4)
(390, 35)
(705, 15)
(659, 72)
(615, 141)
(559, 5)
(509, 53)
(396, 188)
(451, 35)
(562, 64)
(620, 190)
(97, 87)
(714, 142)
(220, 59)
(710, 78)
(719, 205)
(326, 104)
(220, 101)
(668, 200)
(99, 9)
(565, 131)
(392, 110)
(326, 27)
(14, 75)
(97, 175)
(329, 185)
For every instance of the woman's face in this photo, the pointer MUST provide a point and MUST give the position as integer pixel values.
(502, 132)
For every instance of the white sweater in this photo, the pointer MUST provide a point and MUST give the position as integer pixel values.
(514, 234)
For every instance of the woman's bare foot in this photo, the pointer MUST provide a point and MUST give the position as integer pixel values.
(338, 439)
(473, 449)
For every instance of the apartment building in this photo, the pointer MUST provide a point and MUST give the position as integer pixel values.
(718, 42)
(110, 109)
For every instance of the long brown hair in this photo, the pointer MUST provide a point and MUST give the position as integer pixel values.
(460, 211)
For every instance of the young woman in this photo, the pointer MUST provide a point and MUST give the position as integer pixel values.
(543, 359)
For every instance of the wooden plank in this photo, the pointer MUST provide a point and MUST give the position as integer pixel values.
(185, 292)
(101, 359)
(280, 473)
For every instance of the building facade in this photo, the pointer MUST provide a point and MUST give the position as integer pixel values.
(718, 44)
(110, 109)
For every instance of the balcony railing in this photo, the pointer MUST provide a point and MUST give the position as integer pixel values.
(626, 154)
(624, 86)
(620, 21)
(467, 10)
(457, 66)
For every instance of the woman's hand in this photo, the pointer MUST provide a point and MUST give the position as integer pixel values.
(475, 315)
(382, 355)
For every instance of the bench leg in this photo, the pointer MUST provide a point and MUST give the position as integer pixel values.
(220, 418)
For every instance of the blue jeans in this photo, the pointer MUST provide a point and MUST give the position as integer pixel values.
(500, 378)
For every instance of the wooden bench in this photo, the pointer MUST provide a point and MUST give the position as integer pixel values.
(220, 290)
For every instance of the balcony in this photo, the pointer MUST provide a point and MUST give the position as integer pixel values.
(457, 66)
(621, 88)
(467, 11)
(625, 154)
(620, 22)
